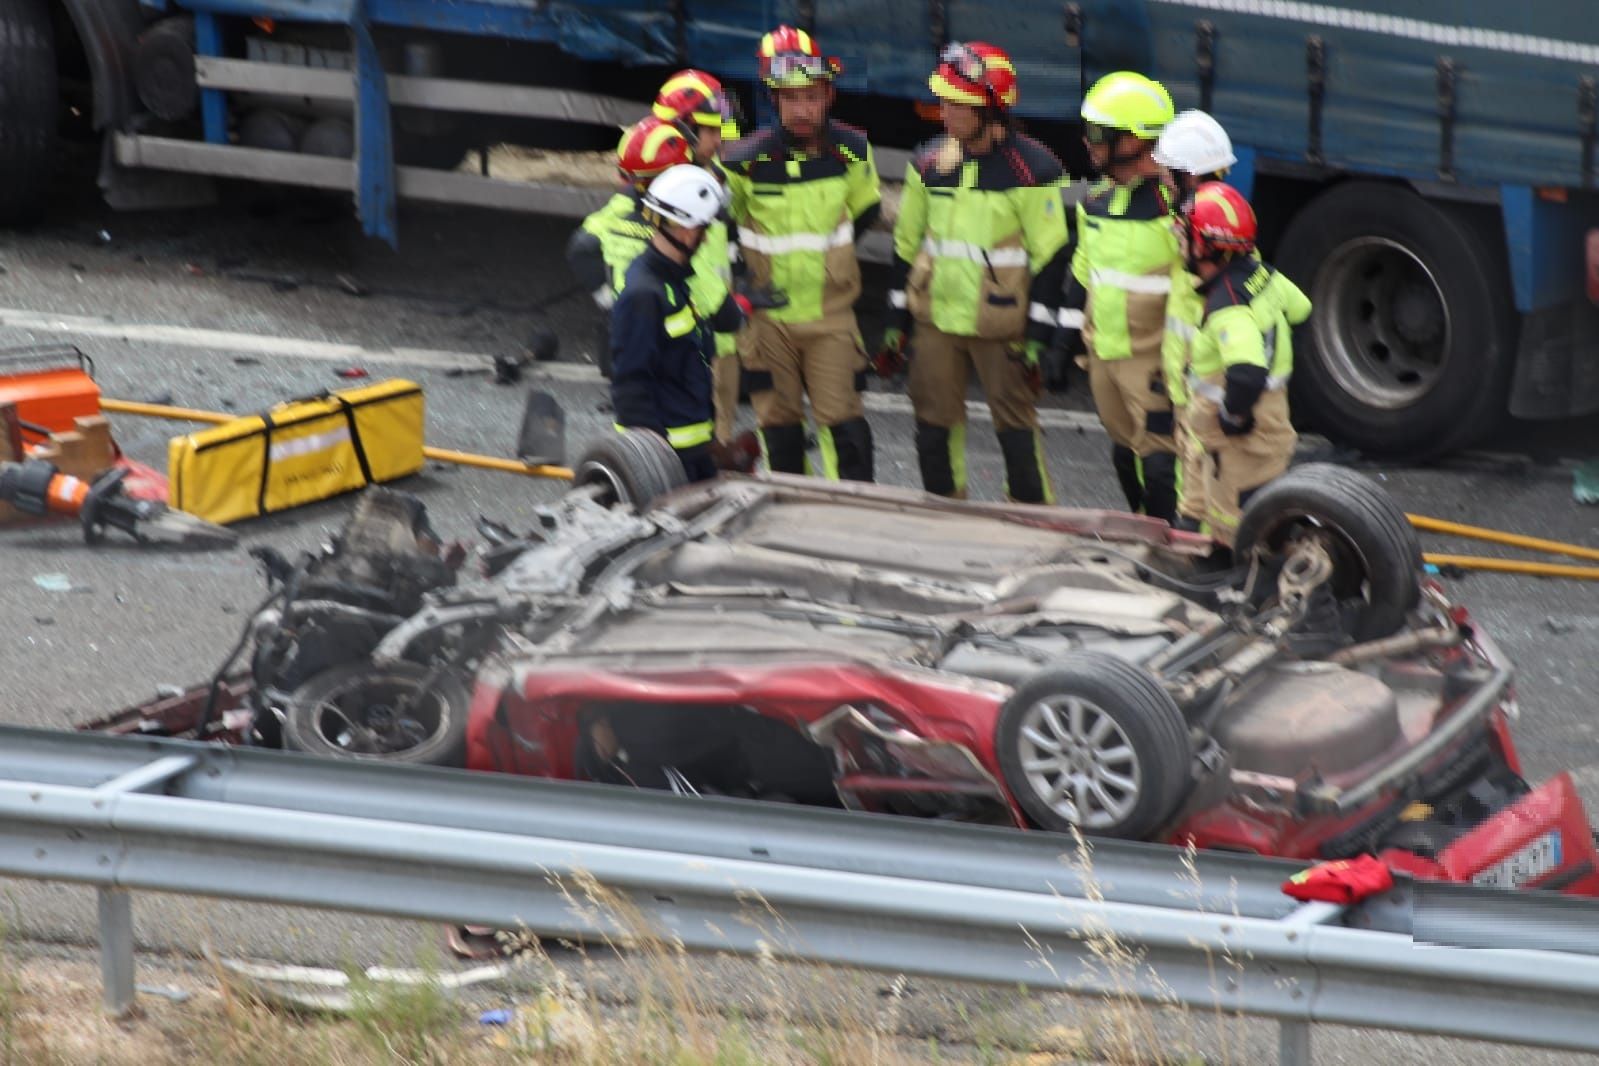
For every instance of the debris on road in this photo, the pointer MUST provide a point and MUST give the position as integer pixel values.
(335, 991)
(167, 992)
(351, 373)
(53, 582)
(1585, 486)
(542, 439)
(351, 286)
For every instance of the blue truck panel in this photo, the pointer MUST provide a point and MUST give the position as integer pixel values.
(1486, 103)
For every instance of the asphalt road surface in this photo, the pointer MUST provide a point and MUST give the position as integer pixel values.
(244, 305)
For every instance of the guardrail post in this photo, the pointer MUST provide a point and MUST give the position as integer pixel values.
(116, 951)
(1293, 1043)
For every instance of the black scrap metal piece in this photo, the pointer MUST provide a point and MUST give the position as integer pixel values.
(1587, 112)
(1205, 61)
(1316, 79)
(1447, 96)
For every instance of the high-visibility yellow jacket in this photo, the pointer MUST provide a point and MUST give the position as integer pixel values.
(607, 242)
(979, 241)
(798, 216)
(1123, 264)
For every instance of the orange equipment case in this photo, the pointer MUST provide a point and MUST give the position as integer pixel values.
(52, 385)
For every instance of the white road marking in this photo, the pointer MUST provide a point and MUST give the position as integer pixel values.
(428, 358)
(445, 359)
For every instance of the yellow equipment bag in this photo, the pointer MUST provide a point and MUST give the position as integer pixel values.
(298, 452)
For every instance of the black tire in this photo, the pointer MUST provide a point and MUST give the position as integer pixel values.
(321, 710)
(29, 100)
(634, 466)
(1411, 343)
(1376, 554)
(1149, 723)
(163, 69)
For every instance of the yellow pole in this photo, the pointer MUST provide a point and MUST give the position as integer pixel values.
(441, 455)
(1421, 522)
(1494, 536)
(1515, 566)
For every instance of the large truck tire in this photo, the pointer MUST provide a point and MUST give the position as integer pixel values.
(29, 100)
(1409, 350)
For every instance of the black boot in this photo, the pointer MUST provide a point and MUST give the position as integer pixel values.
(1125, 460)
(785, 449)
(1024, 467)
(852, 443)
(1160, 486)
(932, 455)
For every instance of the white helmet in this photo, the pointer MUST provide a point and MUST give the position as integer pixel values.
(1195, 143)
(686, 194)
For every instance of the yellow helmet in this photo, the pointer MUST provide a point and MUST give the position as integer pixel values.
(1129, 102)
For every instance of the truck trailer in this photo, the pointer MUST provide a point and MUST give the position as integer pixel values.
(1427, 177)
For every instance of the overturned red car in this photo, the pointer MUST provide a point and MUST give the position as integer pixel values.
(1307, 696)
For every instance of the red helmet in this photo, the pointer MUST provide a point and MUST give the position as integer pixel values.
(789, 59)
(692, 97)
(976, 74)
(1220, 221)
(649, 147)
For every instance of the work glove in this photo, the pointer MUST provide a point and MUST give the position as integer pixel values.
(1056, 360)
(1236, 425)
(751, 298)
(1030, 355)
(893, 356)
(738, 456)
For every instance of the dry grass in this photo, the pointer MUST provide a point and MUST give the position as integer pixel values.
(634, 997)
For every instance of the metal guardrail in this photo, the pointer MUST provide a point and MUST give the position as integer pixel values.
(889, 894)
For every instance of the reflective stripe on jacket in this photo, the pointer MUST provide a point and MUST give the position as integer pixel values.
(661, 352)
(607, 242)
(979, 241)
(1126, 252)
(798, 216)
(1244, 305)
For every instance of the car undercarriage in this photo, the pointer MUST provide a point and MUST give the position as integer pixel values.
(886, 651)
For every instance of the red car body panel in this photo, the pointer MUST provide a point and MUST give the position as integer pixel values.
(525, 721)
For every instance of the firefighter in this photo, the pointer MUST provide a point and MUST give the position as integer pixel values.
(1120, 276)
(803, 191)
(694, 102)
(979, 262)
(662, 348)
(607, 242)
(1193, 149)
(1241, 358)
